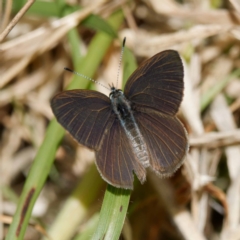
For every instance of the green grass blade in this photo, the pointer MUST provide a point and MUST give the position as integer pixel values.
(36, 178)
(113, 213)
(99, 24)
(116, 200)
(129, 64)
(39, 8)
(89, 228)
(74, 42)
(216, 89)
(56, 9)
(46, 154)
(76, 206)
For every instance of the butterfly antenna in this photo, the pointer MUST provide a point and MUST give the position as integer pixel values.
(88, 78)
(120, 60)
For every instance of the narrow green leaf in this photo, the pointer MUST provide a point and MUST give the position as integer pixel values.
(129, 64)
(56, 9)
(116, 200)
(113, 213)
(89, 228)
(76, 207)
(46, 154)
(97, 23)
(216, 89)
(40, 8)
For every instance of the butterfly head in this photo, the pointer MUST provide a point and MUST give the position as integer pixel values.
(115, 93)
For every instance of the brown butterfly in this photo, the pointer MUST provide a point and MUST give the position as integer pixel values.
(133, 129)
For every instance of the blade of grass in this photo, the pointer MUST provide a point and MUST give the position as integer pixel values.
(113, 213)
(40, 8)
(116, 200)
(89, 228)
(56, 9)
(74, 42)
(36, 178)
(99, 24)
(129, 64)
(76, 206)
(45, 156)
(216, 89)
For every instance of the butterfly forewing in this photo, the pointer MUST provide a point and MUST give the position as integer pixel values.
(158, 83)
(166, 140)
(85, 114)
(116, 161)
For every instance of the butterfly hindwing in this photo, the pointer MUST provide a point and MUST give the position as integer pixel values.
(116, 161)
(85, 114)
(157, 83)
(166, 141)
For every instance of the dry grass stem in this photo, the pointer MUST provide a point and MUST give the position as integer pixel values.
(236, 5)
(146, 44)
(202, 199)
(44, 38)
(216, 139)
(15, 20)
(200, 16)
(5, 14)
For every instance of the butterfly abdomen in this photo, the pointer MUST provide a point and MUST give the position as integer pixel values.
(122, 109)
(136, 139)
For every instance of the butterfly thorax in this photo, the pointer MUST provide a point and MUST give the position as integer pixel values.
(123, 109)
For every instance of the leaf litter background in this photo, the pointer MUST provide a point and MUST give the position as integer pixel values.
(202, 200)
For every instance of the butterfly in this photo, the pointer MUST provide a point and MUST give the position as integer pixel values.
(134, 129)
